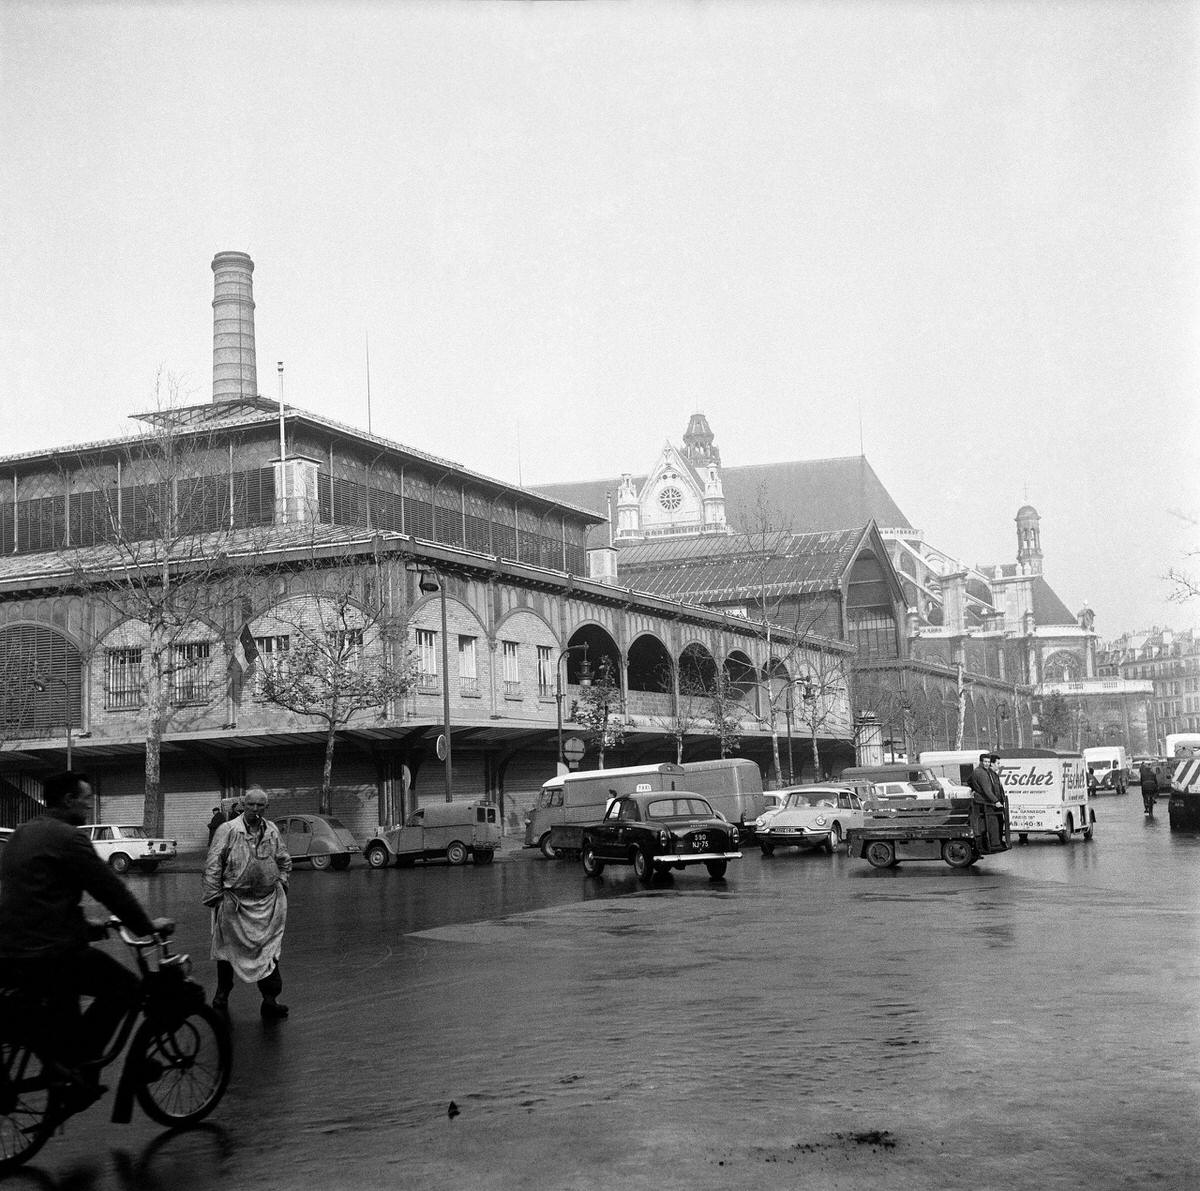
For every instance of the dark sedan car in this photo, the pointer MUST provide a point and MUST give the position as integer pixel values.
(659, 831)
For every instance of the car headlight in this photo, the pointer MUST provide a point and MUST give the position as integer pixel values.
(664, 840)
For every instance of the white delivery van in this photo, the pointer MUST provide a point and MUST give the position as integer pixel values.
(953, 766)
(1047, 794)
(1110, 764)
(454, 830)
(570, 800)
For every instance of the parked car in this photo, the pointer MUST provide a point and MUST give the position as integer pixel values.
(323, 841)
(125, 846)
(655, 832)
(812, 817)
(456, 830)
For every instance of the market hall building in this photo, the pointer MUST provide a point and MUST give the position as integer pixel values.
(265, 520)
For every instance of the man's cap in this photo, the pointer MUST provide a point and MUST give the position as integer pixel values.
(993, 756)
(985, 756)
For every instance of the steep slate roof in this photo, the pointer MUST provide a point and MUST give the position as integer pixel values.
(1048, 609)
(713, 569)
(810, 495)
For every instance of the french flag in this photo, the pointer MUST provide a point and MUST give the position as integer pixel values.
(245, 652)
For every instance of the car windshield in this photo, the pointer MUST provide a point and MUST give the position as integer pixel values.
(133, 832)
(814, 798)
(926, 788)
(678, 808)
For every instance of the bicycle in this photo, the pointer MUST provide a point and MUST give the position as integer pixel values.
(177, 1066)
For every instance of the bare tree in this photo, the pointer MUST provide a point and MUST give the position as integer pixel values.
(724, 711)
(598, 711)
(17, 689)
(334, 655)
(688, 707)
(152, 526)
(823, 690)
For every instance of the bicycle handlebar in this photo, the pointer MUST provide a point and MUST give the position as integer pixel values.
(165, 928)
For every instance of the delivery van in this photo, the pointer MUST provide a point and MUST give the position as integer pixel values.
(1047, 794)
(1110, 764)
(455, 830)
(569, 800)
(732, 786)
(953, 766)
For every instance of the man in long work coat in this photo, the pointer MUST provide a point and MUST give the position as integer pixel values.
(245, 884)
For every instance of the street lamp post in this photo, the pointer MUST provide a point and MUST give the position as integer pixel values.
(584, 680)
(38, 682)
(788, 710)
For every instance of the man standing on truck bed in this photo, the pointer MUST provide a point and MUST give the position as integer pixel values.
(988, 792)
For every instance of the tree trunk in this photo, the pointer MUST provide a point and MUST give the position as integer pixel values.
(326, 803)
(816, 758)
(775, 757)
(678, 750)
(156, 689)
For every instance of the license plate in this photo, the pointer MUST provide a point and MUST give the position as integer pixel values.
(699, 843)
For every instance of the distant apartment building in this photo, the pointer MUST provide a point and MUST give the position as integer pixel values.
(1167, 663)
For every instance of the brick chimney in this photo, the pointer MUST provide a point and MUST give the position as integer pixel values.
(235, 373)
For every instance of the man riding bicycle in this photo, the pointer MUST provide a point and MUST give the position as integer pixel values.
(47, 867)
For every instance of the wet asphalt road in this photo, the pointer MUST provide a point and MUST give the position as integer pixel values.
(808, 1022)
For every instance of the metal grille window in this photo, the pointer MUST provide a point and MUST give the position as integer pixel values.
(468, 677)
(346, 647)
(545, 671)
(42, 523)
(123, 679)
(512, 668)
(189, 676)
(874, 636)
(427, 671)
(272, 657)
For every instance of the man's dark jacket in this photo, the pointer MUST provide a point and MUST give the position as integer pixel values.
(987, 785)
(47, 867)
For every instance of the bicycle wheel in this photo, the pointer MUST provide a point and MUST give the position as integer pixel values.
(28, 1104)
(182, 1067)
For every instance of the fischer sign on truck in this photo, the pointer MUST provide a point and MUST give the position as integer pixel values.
(1047, 794)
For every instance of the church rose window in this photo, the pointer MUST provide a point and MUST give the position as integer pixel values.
(670, 499)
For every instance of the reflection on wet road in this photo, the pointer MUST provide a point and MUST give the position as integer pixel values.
(1031, 1022)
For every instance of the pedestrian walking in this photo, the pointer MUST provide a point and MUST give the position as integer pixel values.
(1149, 788)
(245, 884)
(218, 817)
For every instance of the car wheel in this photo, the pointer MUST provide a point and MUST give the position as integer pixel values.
(341, 861)
(643, 866)
(321, 861)
(119, 862)
(592, 864)
(836, 838)
(1064, 836)
(1090, 829)
(881, 853)
(483, 855)
(959, 853)
(1022, 839)
(377, 856)
(716, 868)
(456, 853)
(547, 850)
(768, 848)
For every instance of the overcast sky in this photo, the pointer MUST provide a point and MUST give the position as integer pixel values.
(965, 231)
